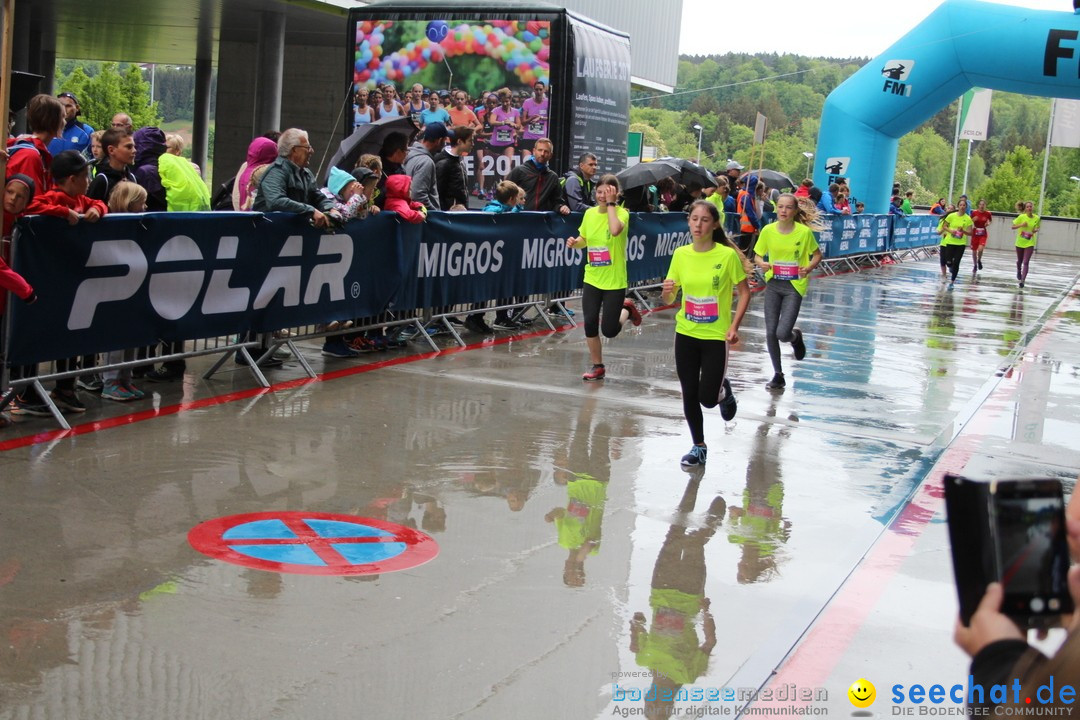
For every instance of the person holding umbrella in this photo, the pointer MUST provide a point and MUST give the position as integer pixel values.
(792, 254)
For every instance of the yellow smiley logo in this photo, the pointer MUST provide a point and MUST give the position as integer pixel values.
(862, 693)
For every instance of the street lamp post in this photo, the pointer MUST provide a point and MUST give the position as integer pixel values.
(697, 126)
(808, 156)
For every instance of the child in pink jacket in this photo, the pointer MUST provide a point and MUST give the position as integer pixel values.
(399, 199)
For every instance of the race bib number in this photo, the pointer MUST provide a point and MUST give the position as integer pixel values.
(785, 270)
(578, 509)
(980, 232)
(504, 135)
(958, 233)
(1027, 235)
(702, 309)
(668, 621)
(537, 127)
(599, 256)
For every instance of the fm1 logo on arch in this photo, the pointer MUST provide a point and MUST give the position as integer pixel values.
(313, 543)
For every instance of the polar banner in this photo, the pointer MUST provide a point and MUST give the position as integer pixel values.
(131, 280)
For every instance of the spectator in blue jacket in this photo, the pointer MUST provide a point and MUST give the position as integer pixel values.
(826, 204)
(76, 134)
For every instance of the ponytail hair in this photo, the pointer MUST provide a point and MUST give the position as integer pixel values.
(719, 236)
(806, 212)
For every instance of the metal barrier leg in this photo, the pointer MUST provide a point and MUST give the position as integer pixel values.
(301, 359)
(253, 366)
(57, 415)
(217, 365)
(445, 319)
(561, 304)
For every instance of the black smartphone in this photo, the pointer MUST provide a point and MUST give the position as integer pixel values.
(1012, 532)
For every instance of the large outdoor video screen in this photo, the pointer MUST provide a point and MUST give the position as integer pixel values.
(493, 75)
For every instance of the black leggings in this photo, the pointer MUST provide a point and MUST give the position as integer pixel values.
(951, 255)
(701, 365)
(602, 310)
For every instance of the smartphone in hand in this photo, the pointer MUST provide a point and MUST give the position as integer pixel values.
(1012, 532)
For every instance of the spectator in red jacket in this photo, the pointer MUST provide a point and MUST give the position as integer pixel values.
(399, 199)
(71, 178)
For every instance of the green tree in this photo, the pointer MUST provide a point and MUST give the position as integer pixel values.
(108, 93)
(1014, 180)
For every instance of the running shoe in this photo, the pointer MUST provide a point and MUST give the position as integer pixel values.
(362, 344)
(980, 264)
(477, 325)
(29, 407)
(1021, 283)
(635, 314)
(139, 394)
(114, 390)
(505, 324)
(728, 405)
(163, 374)
(90, 383)
(797, 344)
(695, 457)
(68, 401)
(597, 373)
(336, 348)
(777, 382)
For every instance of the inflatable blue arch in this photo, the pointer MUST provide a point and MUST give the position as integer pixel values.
(961, 45)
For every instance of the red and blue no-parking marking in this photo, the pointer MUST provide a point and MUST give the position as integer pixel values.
(312, 543)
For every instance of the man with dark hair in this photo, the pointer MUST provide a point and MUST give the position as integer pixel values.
(578, 185)
(541, 185)
(76, 135)
(450, 172)
(394, 149)
(420, 164)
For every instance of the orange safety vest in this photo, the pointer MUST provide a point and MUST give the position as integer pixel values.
(746, 226)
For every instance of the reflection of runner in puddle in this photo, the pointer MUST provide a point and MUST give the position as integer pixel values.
(670, 646)
(585, 471)
(759, 526)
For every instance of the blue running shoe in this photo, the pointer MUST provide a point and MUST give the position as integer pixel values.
(695, 457)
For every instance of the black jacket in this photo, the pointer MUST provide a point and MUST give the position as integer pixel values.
(450, 179)
(542, 188)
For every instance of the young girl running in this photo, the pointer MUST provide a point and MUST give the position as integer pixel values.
(707, 271)
(982, 219)
(792, 255)
(954, 228)
(1028, 225)
(603, 233)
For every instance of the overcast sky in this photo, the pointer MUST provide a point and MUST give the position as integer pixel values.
(835, 28)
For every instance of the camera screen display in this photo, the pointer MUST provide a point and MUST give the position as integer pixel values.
(1033, 553)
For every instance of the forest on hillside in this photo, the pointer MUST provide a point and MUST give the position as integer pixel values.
(724, 93)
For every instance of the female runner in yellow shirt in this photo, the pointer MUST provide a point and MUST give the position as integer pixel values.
(706, 271)
(603, 234)
(793, 254)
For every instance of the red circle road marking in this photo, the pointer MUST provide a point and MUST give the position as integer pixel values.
(209, 539)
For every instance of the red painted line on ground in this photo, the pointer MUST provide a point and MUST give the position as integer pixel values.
(143, 415)
(830, 636)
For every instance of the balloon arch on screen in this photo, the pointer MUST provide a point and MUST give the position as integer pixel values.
(961, 45)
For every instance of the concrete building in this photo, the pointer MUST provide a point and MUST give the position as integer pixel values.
(280, 64)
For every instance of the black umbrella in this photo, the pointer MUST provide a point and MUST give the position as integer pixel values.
(645, 173)
(773, 179)
(369, 138)
(689, 172)
(682, 171)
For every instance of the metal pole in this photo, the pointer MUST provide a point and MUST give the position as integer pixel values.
(956, 142)
(809, 158)
(967, 166)
(1046, 154)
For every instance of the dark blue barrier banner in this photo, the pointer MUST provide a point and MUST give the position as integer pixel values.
(854, 235)
(129, 280)
(915, 231)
